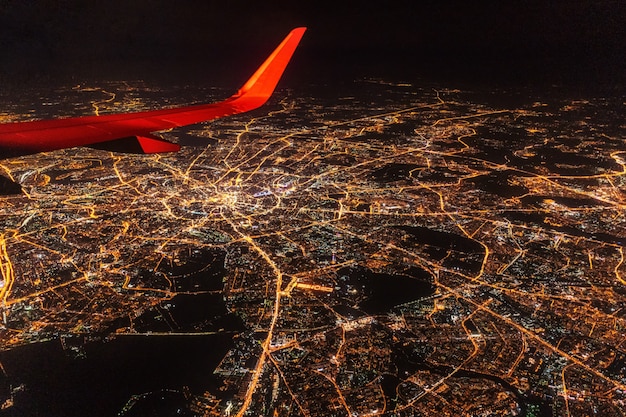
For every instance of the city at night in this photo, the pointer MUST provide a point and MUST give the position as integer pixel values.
(408, 209)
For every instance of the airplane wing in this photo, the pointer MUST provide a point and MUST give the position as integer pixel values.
(23, 138)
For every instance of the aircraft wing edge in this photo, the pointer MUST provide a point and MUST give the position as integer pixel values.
(46, 135)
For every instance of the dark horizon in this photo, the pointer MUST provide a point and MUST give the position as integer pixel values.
(561, 41)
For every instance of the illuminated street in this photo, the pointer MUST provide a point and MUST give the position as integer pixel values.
(391, 249)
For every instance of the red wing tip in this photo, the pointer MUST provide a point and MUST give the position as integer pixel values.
(262, 83)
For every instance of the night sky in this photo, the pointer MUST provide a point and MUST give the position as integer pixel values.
(581, 41)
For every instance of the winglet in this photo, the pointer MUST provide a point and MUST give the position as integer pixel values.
(24, 138)
(263, 82)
